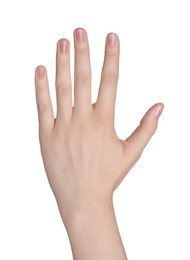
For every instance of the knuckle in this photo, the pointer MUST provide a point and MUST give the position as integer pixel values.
(149, 128)
(111, 53)
(63, 91)
(83, 79)
(42, 87)
(43, 107)
(46, 142)
(82, 51)
(62, 63)
(110, 77)
(138, 156)
(103, 120)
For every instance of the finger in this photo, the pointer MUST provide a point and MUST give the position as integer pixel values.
(138, 140)
(82, 73)
(63, 81)
(109, 76)
(44, 105)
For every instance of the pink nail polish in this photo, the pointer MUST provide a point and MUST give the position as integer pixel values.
(80, 35)
(63, 46)
(112, 39)
(158, 111)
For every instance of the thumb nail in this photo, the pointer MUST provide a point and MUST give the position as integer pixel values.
(158, 111)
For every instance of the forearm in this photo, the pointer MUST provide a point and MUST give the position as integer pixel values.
(94, 234)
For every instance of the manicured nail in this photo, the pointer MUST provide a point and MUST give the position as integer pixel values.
(112, 39)
(80, 35)
(40, 72)
(158, 111)
(63, 46)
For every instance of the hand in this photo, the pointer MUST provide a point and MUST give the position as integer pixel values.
(84, 159)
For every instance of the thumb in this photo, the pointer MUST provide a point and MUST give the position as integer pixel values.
(138, 140)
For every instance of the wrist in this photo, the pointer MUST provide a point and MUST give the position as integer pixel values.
(83, 211)
(93, 232)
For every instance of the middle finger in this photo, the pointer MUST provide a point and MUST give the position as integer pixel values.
(82, 72)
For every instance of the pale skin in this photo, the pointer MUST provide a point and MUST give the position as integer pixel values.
(84, 159)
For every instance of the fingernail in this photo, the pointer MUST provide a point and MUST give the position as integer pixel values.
(158, 111)
(40, 72)
(112, 40)
(80, 35)
(63, 46)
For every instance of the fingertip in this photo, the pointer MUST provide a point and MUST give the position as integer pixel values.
(144, 132)
(149, 122)
(153, 112)
(80, 35)
(78, 29)
(63, 46)
(112, 39)
(158, 110)
(40, 71)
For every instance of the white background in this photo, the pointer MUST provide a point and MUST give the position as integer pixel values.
(152, 204)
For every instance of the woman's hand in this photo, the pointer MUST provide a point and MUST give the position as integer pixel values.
(84, 159)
